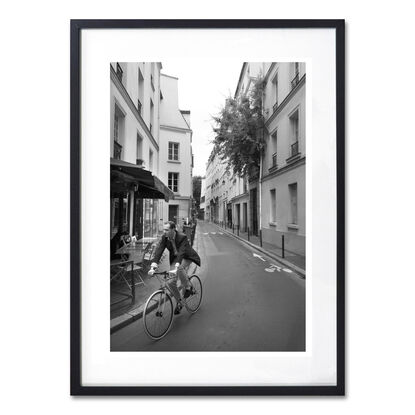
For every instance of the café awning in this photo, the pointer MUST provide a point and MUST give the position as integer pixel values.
(127, 176)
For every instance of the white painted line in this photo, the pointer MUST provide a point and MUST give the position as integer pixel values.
(259, 256)
(220, 233)
(287, 270)
(270, 269)
(213, 233)
(205, 233)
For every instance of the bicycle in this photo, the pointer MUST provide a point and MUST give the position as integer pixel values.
(158, 310)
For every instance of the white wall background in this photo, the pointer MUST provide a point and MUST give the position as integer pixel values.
(35, 206)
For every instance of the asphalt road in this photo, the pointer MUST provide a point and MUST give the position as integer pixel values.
(249, 304)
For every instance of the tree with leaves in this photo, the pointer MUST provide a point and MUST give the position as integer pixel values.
(239, 131)
(197, 184)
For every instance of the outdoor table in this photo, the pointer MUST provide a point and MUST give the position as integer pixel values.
(135, 252)
(121, 266)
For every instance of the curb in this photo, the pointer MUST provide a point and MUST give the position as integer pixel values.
(125, 319)
(282, 261)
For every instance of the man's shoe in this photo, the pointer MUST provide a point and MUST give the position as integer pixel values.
(178, 308)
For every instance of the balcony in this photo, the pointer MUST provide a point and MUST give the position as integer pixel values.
(139, 106)
(295, 80)
(274, 164)
(117, 150)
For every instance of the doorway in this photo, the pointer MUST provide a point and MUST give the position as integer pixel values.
(173, 213)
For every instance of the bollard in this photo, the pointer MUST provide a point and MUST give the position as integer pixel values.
(260, 238)
(283, 246)
(233, 228)
(248, 233)
(238, 229)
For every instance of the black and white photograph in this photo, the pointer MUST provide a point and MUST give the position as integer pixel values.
(221, 169)
(208, 206)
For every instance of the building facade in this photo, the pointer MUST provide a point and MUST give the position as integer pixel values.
(271, 203)
(284, 160)
(176, 158)
(138, 196)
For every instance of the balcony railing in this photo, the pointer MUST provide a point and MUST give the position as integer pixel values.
(139, 106)
(117, 150)
(274, 160)
(295, 80)
(294, 149)
(139, 162)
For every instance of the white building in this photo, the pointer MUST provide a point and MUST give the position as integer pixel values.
(136, 192)
(176, 158)
(284, 161)
(271, 203)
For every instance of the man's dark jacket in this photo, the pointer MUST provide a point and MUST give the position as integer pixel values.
(184, 250)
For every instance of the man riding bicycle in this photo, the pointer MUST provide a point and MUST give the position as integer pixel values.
(181, 255)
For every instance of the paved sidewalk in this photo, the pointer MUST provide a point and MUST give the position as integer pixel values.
(297, 262)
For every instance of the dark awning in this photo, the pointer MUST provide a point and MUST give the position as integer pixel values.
(127, 176)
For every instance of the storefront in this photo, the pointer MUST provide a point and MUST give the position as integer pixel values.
(136, 198)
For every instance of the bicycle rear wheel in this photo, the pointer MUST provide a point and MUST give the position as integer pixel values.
(158, 314)
(192, 304)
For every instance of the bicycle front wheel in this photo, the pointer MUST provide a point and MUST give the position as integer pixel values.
(158, 314)
(192, 304)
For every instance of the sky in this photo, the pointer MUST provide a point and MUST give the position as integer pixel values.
(203, 87)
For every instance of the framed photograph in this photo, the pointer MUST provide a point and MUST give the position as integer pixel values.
(207, 207)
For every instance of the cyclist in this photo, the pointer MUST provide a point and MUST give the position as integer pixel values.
(181, 255)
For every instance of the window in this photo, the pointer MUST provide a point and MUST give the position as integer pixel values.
(173, 182)
(296, 75)
(118, 132)
(273, 212)
(275, 87)
(151, 116)
(140, 91)
(150, 160)
(139, 151)
(274, 143)
(293, 202)
(119, 72)
(294, 133)
(153, 65)
(173, 151)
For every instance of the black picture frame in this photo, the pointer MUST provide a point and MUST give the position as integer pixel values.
(76, 27)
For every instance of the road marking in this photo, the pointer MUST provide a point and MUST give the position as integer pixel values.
(259, 256)
(270, 269)
(287, 270)
(205, 233)
(220, 233)
(213, 233)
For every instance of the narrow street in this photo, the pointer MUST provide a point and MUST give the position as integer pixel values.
(248, 305)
